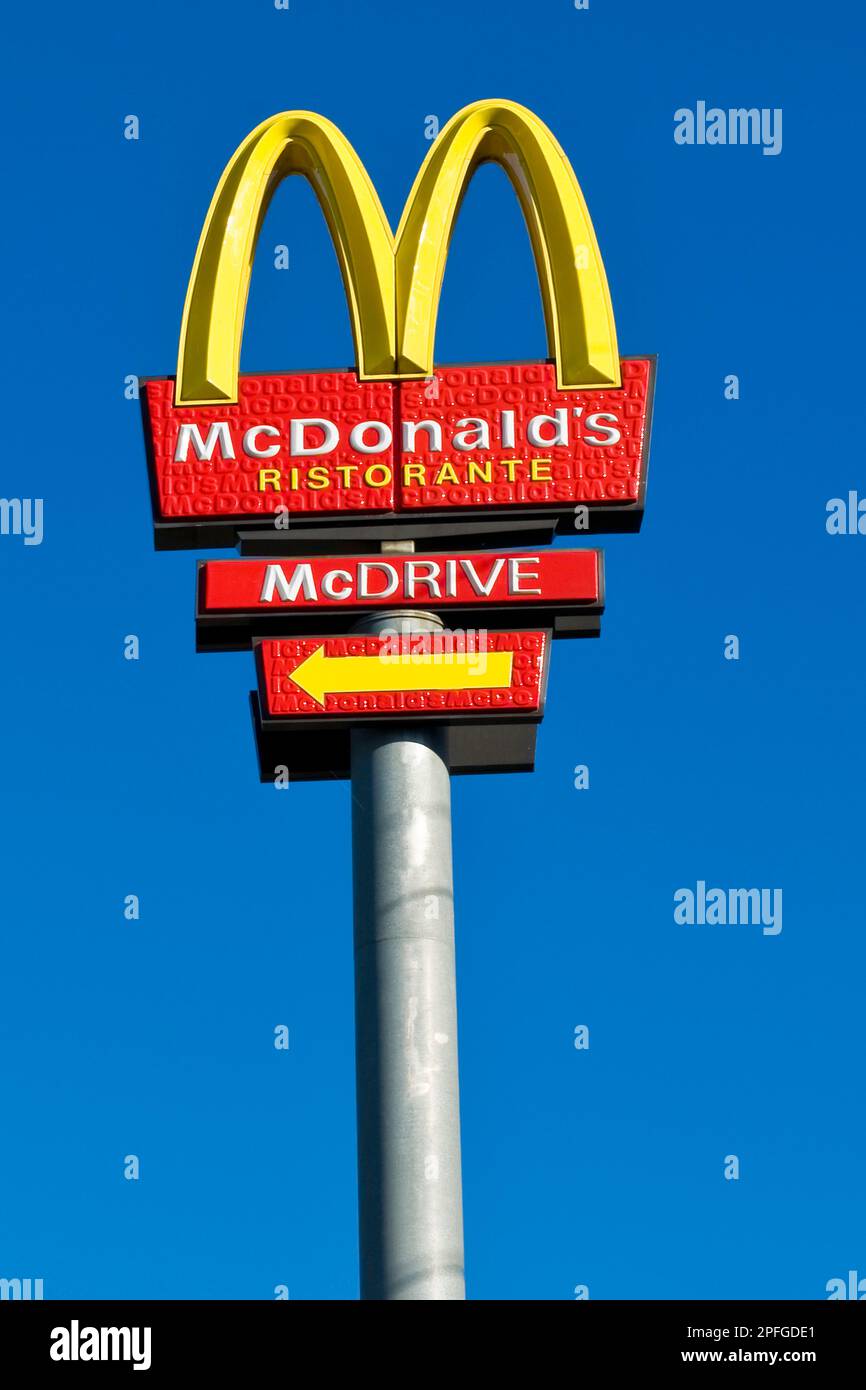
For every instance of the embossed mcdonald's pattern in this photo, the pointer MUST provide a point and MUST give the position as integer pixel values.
(442, 676)
(326, 444)
(314, 443)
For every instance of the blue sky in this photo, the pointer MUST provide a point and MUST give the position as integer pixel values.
(601, 1167)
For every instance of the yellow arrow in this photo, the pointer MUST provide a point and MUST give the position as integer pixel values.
(322, 675)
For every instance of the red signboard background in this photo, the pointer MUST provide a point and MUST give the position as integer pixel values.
(280, 697)
(392, 480)
(526, 473)
(229, 488)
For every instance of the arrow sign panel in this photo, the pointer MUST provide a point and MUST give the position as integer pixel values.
(446, 676)
(321, 675)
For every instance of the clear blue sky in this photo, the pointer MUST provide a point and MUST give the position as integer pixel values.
(155, 1038)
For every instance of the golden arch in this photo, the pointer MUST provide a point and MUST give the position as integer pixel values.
(393, 284)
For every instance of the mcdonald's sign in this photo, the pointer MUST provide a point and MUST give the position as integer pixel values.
(399, 441)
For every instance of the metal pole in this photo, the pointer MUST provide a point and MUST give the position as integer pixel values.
(409, 1184)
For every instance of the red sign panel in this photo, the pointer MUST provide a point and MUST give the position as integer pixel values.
(479, 579)
(319, 442)
(442, 675)
(471, 439)
(504, 435)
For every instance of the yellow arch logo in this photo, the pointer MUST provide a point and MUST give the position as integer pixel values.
(393, 283)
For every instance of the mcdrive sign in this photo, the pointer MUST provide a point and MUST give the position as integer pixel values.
(241, 599)
(398, 438)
